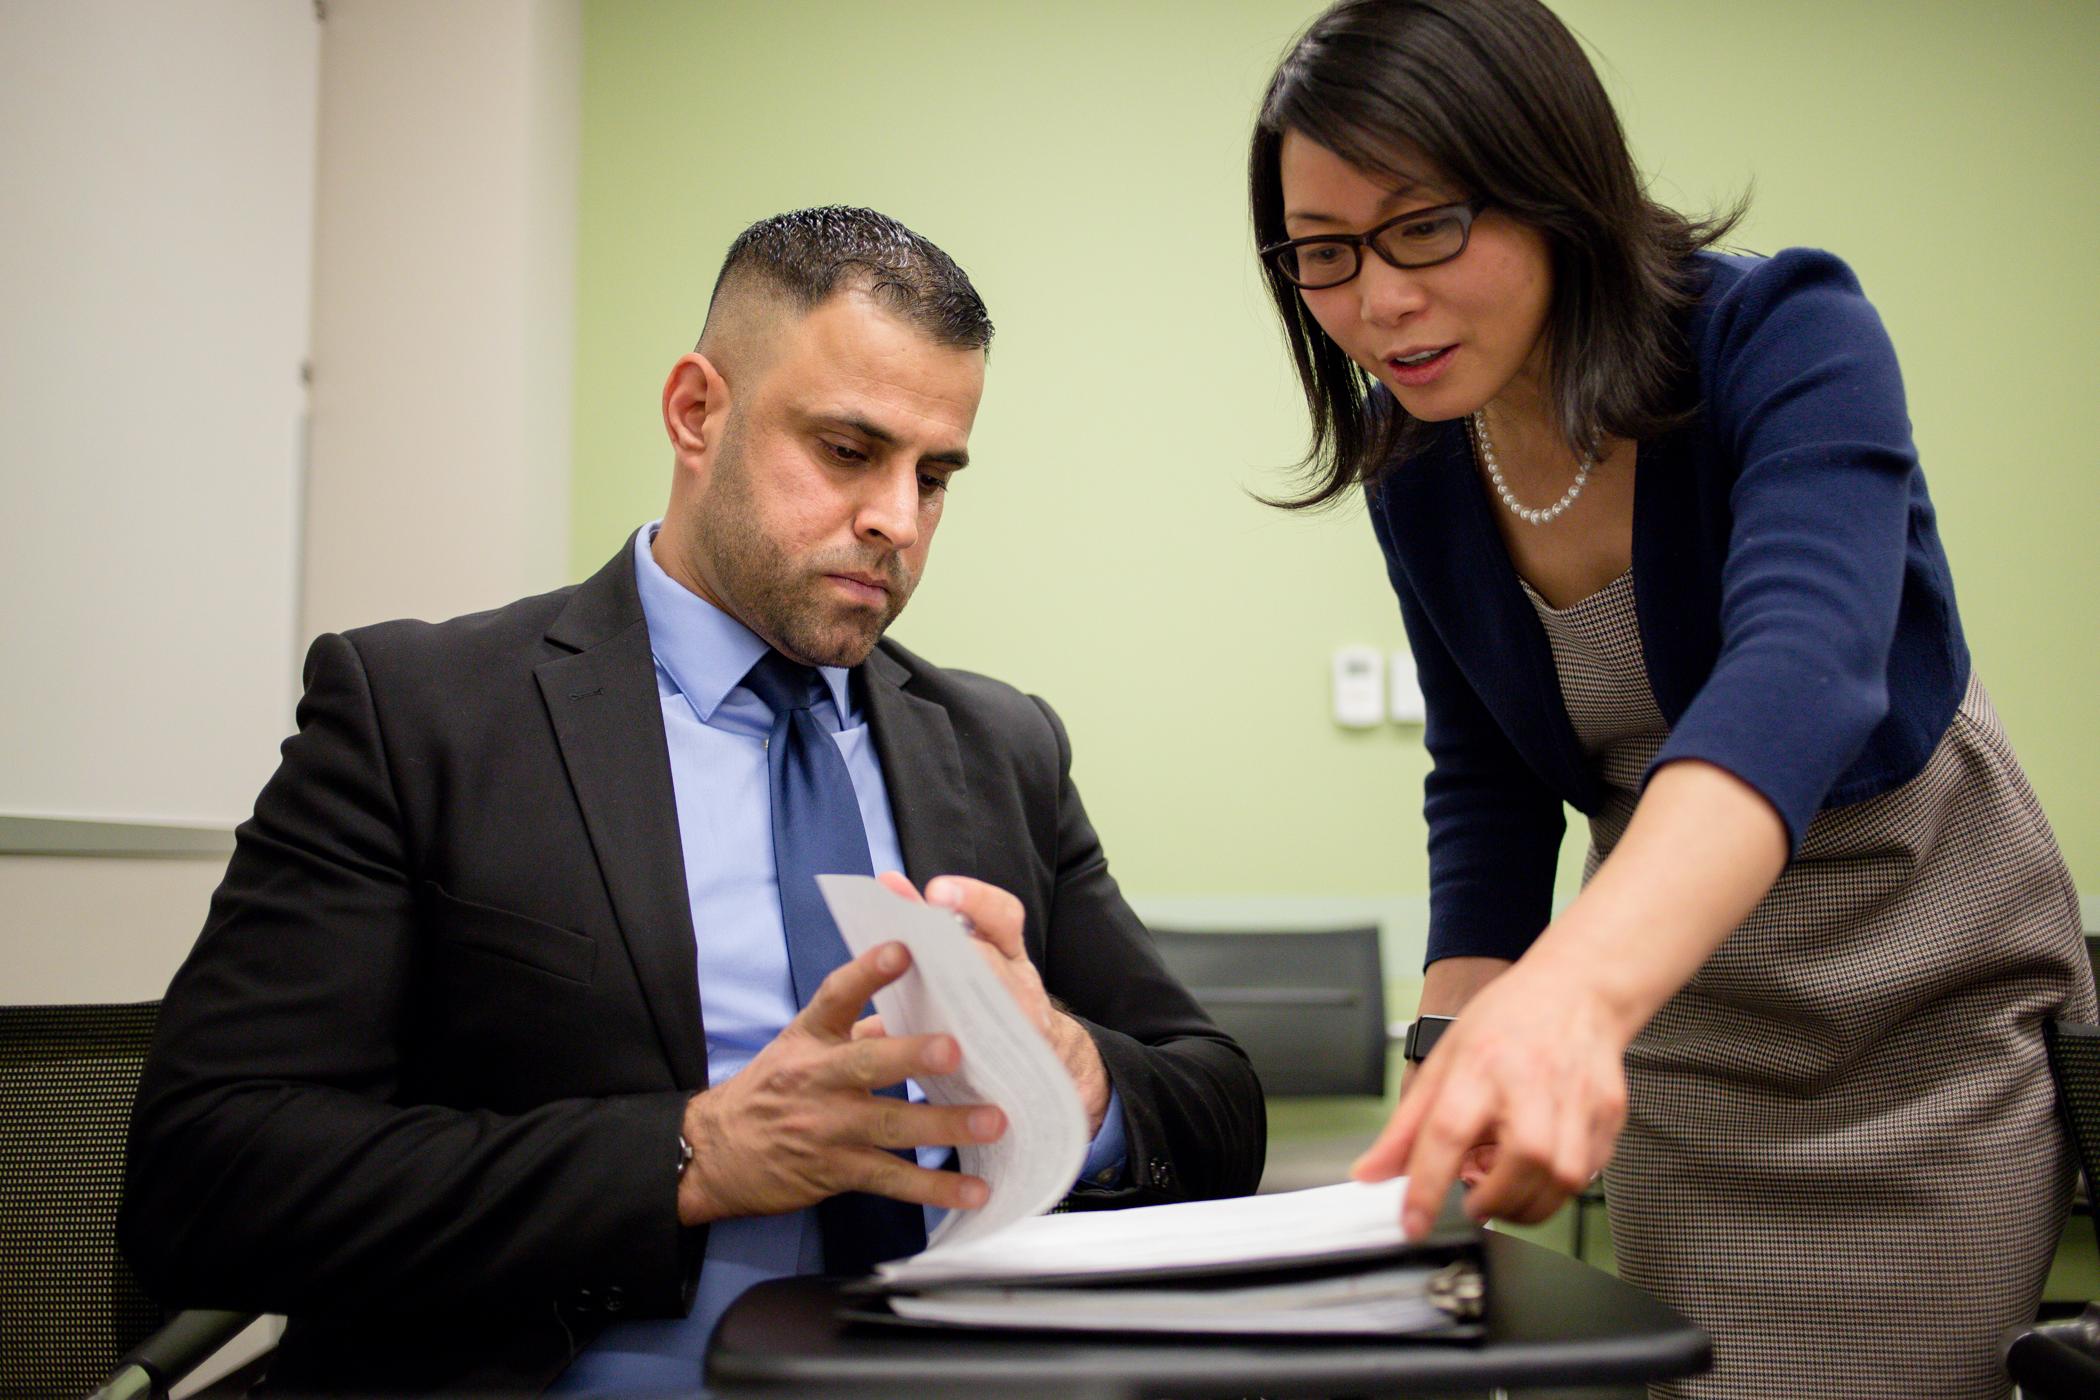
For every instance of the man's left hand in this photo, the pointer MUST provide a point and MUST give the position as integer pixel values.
(994, 918)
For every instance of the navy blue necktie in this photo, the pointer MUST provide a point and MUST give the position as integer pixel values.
(817, 830)
(816, 818)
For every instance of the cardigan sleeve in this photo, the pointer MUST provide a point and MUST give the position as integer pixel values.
(1803, 394)
(1494, 826)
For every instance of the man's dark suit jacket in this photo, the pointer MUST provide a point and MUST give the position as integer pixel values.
(420, 1083)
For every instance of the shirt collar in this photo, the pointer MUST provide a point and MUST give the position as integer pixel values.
(704, 650)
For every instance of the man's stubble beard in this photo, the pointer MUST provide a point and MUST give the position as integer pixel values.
(781, 599)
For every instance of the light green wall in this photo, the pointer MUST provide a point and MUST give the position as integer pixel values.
(1084, 162)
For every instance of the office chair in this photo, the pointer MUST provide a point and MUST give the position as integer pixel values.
(1308, 1008)
(2062, 1359)
(73, 1317)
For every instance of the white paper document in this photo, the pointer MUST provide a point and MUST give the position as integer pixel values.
(1246, 1232)
(1369, 1303)
(1321, 1263)
(1006, 1062)
(1285, 1264)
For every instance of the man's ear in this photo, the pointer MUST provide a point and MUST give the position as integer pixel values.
(696, 406)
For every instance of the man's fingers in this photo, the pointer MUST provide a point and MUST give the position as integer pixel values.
(886, 1174)
(894, 1123)
(898, 883)
(841, 997)
(994, 914)
(877, 1062)
(867, 1028)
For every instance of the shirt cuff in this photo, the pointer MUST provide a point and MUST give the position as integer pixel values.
(1104, 1165)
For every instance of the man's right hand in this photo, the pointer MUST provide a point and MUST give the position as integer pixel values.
(801, 1122)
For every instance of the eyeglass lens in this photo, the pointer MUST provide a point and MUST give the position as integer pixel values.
(1324, 262)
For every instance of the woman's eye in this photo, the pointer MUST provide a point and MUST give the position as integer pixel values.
(1427, 231)
(1320, 255)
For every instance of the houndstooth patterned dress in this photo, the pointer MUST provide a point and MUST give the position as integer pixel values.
(1842, 1156)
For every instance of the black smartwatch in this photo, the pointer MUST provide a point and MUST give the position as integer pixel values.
(1421, 1037)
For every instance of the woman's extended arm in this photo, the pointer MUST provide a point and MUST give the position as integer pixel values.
(1449, 983)
(1535, 1063)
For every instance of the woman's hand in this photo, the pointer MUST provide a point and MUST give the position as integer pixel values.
(1534, 1066)
(1525, 1093)
(1476, 1164)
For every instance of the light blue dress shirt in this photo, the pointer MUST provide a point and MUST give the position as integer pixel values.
(716, 730)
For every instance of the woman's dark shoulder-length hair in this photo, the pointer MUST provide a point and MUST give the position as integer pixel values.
(1502, 102)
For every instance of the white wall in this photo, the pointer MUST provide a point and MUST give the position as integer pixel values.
(439, 211)
(156, 177)
(443, 307)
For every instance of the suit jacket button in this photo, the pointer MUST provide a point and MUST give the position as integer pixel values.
(583, 1301)
(1162, 1174)
(615, 1298)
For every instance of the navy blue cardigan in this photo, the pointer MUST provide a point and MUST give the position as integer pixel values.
(1795, 605)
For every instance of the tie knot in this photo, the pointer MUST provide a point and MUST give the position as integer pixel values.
(784, 685)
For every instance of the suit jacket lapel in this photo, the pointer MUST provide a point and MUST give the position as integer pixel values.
(603, 704)
(922, 768)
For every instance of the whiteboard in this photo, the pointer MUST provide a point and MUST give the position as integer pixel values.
(156, 252)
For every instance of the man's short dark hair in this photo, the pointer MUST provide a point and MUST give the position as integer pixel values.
(811, 254)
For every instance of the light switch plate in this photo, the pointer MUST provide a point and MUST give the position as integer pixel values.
(1359, 687)
(1405, 691)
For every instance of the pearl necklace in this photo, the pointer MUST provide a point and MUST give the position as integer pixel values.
(1516, 507)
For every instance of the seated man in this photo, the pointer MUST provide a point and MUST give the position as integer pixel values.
(527, 881)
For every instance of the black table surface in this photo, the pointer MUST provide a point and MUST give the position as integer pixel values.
(1551, 1321)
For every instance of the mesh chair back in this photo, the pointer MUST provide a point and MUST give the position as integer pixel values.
(2074, 1059)
(1308, 1008)
(69, 1305)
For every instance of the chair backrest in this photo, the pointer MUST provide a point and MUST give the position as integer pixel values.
(1308, 1008)
(2074, 1061)
(2057, 1360)
(69, 1305)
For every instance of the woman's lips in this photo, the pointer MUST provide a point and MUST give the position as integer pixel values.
(1422, 371)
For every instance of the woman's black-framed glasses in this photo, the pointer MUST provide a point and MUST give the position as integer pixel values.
(1420, 238)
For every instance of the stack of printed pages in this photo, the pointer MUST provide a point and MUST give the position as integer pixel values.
(1326, 1262)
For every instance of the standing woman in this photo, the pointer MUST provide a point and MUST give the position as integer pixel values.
(1663, 551)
